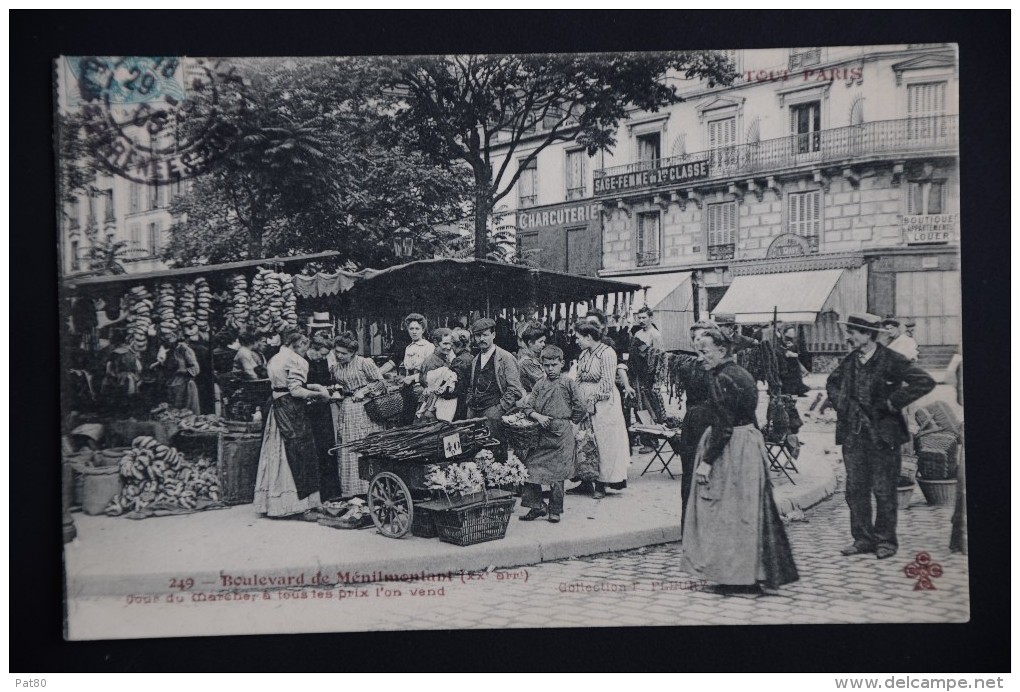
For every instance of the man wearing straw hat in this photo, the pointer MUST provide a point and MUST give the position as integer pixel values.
(869, 389)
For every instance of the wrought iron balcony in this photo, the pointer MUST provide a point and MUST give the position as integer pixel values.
(720, 252)
(841, 145)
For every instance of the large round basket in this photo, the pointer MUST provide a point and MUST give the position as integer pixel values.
(938, 492)
(385, 408)
(523, 437)
(903, 495)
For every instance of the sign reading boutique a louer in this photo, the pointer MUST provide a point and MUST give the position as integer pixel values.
(665, 175)
(930, 229)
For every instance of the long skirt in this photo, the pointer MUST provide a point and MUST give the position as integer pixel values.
(182, 392)
(352, 424)
(276, 493)
(733, 534)
(611, 438)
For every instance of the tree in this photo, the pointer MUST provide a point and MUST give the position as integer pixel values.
(314, 165)
(458, 105)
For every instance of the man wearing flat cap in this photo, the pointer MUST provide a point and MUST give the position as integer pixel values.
(869, 389)
(901, 341)
(495, 383)
(727, 324)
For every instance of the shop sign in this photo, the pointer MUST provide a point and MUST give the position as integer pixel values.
(929, 229)
(789, 245)
(579, 213)
(666, 175)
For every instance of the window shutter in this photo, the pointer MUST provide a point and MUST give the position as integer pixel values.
(935, 205)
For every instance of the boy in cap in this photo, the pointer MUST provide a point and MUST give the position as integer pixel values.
(869, 389)
(556, 403)
(494, 386)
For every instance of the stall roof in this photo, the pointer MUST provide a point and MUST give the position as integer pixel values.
(129, 279)
(472, 284)
(795, 296)
(658, 287)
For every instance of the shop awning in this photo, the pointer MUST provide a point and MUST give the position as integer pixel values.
(671, 298)
(472, 284)
(791, 296)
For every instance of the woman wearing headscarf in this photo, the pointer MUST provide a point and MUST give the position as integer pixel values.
(438, 397)
(358, 377)
(733, 535)
(287, 483)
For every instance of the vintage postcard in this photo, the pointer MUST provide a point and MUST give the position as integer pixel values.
(511, 341)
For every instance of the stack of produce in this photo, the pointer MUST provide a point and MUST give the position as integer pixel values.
(139, 318)
(209, 422)
(262, 321)
(186, 304)
(156, 475)
(166, 304)
(289, 300)
(203, 304)
(164, 414)
(424, 441)
(237, 313)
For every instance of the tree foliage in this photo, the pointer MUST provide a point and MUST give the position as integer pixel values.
(462, 107)
(315, 165)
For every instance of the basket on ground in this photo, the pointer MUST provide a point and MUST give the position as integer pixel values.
(938, 492)
(477, 523)
(101, 484)
(904, 494)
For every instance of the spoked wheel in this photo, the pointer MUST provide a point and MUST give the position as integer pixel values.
(390, 504)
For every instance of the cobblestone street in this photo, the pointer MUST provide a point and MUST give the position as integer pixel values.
(644, 586)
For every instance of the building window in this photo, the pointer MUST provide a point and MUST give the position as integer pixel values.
(576, 173)
(649, 240)
(135, 232)
(806, 126)
(722, 230)
(927, 197)
(90, 219)
(527, 185)
(926, 108)
(135, 198)
(649, 149)
(74, 222)
(108, 214)
(733, 57)
(805, 216)
(722, 137)
(155, 237)
(75, 259)
(804, 57)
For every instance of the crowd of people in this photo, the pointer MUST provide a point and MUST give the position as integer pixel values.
(582, 395)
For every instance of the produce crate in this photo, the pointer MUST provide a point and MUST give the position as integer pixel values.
(242, 426)
(424, 523)
(937, 455)
(478, 523)
(237, 466)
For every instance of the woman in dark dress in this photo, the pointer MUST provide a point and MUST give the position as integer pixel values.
(461, 366)
(733, 535)
(320, 417)
(697, 416)
(793, 381)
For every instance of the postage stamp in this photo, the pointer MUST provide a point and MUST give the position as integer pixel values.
(154, 120)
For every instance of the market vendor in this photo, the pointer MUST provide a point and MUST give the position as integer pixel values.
(119, 388)
(439, 398)
(320, 417)
(555, 403)
(205, 381)
(287, 482)
(179, 367)
(248, 361)
(495, 382)
(530, 341)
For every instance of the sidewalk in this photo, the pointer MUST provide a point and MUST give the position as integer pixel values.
(119, 556)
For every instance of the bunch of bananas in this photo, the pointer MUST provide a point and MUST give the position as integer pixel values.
(139, 319)
(237, 314)
(266, 300)
(289, 300)
(209, 422)
(186, 303)
(166, 304)
(165, 414)
(156, 474)
(203, 302)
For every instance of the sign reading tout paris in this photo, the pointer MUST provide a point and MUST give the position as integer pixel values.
(665, 175)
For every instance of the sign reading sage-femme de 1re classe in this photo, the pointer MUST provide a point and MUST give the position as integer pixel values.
(930, 229)
(664, 175)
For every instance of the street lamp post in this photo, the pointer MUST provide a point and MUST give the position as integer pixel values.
(403, 243)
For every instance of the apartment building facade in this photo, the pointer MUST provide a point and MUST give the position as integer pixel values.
(823, 181)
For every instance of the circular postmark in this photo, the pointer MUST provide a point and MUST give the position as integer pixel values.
(159, 120)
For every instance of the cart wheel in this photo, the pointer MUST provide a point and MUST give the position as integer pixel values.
(389, 502)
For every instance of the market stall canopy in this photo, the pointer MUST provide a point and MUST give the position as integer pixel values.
(671, 298)
(472, 284)
(126, 280)
(796, 297)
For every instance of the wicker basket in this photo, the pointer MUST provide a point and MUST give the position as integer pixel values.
(937, 455)
(385, 408)
(102, 483)
(424, 524)
(523, 437)
(904, 495)
(486, 521)
(938, 492)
